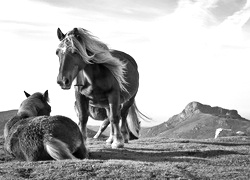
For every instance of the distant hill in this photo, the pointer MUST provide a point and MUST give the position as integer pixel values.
(4, 117)
(199, 121)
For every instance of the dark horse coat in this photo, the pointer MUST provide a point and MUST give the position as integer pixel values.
(43, 138)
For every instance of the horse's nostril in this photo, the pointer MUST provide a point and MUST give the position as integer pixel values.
(59, 82)
(66, 81)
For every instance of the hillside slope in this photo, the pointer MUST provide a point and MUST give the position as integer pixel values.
(4, 117)
(198, 121)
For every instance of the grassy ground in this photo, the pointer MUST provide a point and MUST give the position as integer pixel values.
(153, 158)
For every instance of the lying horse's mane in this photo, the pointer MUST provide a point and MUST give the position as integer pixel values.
(40, 96)
(94, 51)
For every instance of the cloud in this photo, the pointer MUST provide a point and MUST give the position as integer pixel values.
(211, 12)
(139, 9)
(222, 9)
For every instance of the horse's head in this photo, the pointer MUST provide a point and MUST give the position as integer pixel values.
(35, 105)
(77, 49)
(71, 54)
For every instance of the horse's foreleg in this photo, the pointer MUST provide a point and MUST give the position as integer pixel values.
(83, 114)
(102, 128)
(114, 117)
(109, 141)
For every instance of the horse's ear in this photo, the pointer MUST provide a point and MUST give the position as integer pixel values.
(75, 30)
(77, 34)
(26, 94)
(60, 34)
(46, 96)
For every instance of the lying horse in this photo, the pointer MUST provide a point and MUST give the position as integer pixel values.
(34, 135)
(105, 78)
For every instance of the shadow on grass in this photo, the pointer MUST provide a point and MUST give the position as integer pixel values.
(213, 143)
(156, 156)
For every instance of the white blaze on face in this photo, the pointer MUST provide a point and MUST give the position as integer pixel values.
(63, 49)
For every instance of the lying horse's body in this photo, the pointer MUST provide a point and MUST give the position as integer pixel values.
(33, 135)
(104, 79)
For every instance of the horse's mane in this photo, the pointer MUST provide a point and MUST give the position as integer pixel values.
(94, 51)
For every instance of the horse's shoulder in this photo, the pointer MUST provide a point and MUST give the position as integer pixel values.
(13, 136)
(25, 128)
(15, 125)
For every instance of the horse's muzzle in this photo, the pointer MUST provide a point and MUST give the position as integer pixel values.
(64, 82)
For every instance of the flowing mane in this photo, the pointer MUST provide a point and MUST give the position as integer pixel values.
(94, 51)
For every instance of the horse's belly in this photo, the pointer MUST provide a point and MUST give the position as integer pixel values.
(99, 104)
(97, 113)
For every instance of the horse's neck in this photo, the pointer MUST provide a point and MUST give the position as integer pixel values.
(24, 114)
(27, 110)
(86, 75)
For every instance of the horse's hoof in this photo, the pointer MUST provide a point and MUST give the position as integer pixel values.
(109, 142)
(87, 154)
(117, 145)
(126, 138)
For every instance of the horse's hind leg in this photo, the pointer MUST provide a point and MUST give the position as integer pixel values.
(110, 140)
(114, 117)
(124, 114)
(124, 126)
(102, 128)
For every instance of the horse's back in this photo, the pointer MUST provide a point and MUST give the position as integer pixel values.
(131, 74)
(124, 57)
(64, 128)
(57, 126)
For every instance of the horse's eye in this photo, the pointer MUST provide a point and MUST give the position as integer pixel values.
(57, 51)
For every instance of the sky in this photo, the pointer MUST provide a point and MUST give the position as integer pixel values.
(186, 50)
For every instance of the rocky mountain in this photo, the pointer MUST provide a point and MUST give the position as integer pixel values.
(199, 121)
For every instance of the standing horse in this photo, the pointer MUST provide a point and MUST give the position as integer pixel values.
(33, 135)
(104, 79)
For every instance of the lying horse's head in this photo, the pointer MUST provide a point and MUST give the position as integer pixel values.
(35, 105)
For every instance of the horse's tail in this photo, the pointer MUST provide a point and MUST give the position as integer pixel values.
(57, 149)
(133, 121)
